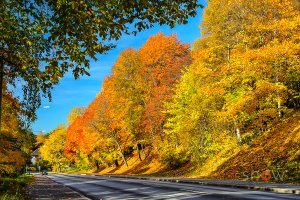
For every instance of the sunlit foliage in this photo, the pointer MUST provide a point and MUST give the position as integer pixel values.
(53, 149)
(241, 77)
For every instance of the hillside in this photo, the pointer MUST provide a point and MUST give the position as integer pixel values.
(277, 150)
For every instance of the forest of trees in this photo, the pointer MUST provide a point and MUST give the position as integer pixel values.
(180, 105)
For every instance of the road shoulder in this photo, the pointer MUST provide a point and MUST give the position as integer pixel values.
(44, 188)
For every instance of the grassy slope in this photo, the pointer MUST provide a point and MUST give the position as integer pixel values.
(14, 188)
(277, 150)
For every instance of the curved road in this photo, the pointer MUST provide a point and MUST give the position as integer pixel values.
(98, 187)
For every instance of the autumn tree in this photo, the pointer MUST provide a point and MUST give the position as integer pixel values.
(16, 142)
(127, 96)
(108, 123)
(40, 138)
(163, 59)
(74, 113)
(74, 134)
(92, 139)
(53, 149)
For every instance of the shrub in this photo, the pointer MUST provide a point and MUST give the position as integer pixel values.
(174, 159)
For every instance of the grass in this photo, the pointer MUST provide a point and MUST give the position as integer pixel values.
(14, 188)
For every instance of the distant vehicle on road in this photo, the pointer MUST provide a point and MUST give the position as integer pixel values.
(44, 172)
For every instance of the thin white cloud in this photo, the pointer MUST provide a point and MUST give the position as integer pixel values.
(46, 107)
(75, 92)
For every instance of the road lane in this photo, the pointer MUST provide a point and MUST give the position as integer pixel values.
(102, 187)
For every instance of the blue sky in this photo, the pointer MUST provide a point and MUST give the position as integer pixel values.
(72, 93)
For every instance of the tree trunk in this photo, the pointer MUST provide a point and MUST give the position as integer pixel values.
(113, 135)
(176, 141)
(238, 134)
(97, 165)
(279, 109)
(120, 150)
(116, 163)
(152, 133)
(278, 102)
(143, 151)
(228, 53)
(1, 90)
(237, 131)
(138, 146)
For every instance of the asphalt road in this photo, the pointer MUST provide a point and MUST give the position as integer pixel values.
(98, 187)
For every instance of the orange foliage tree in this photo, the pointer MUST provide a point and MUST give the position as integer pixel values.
(163, 59)
(128, 110)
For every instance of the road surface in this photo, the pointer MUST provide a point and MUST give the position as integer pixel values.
(101, 187)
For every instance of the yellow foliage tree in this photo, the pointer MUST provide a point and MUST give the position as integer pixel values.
(53, 149)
